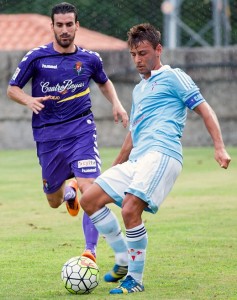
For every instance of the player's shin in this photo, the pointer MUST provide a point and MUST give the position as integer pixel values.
(91, 234)
(108, 226)
(137, 244)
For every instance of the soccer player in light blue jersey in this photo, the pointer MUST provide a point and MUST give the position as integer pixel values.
(63, 123)
(150, 159)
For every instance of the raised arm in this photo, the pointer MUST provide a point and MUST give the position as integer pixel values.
(211, 122)
(110, 93)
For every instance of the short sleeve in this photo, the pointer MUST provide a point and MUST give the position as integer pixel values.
(186, 89)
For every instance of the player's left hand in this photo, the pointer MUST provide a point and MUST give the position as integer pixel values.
(223, 158)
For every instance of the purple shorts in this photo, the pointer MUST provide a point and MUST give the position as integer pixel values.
(68, 158)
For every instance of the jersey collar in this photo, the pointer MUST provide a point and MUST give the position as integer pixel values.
(155, 72)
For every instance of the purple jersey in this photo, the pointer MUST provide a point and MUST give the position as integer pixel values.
(66, 78)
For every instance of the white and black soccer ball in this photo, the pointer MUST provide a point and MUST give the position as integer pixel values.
(80, 275)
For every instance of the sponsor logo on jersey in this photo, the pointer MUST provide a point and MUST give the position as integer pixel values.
(16, 73)
(87, 163)
(44, 66)
(88, 170)
(67, 85)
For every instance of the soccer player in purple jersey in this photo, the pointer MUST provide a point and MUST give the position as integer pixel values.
(63, 124)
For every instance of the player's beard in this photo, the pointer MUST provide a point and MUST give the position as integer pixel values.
(65, 43)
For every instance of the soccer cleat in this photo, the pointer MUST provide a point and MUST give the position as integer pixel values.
(128, 285)
(73, 205)
(88, 253)
(116, 274)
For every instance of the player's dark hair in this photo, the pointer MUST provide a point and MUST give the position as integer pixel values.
(64, 8)
(143, 32)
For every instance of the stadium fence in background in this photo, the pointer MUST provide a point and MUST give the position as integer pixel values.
(184, 23)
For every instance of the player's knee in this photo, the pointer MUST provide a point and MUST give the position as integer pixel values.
(132, 210)
(84, 184)
(127, 214)
(85, 203)
(88, 203)
(54, 203)
(93, 199)
(131, 219)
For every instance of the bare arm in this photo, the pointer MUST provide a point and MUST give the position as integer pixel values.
(211, 122)
(109, 92)
(125, 150)
(18, 95)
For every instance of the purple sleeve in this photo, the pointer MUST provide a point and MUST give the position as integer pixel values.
(99, 76)
(23, 72)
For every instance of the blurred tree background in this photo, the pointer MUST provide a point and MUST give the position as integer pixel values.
(115, 17)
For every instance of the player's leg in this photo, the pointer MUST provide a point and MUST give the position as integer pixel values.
(91, 237)
(107, 225)
(55, 171)
(93, 202)
(136, 238)
(154, 177)
(71, 197)
(90, 232)
(110, 185)
(67, 193)
(86, 166)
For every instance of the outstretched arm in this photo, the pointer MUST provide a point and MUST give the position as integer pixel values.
(18, 95)
(211, 122)
(125, 150)
(109, 92)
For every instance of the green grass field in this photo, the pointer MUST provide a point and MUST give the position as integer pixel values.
(192, 249)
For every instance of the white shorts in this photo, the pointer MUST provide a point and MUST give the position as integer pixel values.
(150, 178)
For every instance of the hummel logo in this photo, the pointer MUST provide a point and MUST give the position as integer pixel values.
(49, 66)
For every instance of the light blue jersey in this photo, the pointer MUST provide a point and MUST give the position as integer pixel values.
(159, 112)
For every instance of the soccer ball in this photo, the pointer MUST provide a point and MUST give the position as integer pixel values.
(80, 275)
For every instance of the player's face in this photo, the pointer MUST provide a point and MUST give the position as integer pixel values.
(64, 29)
(146, 58)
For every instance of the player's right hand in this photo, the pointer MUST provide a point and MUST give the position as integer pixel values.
(35, 103)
